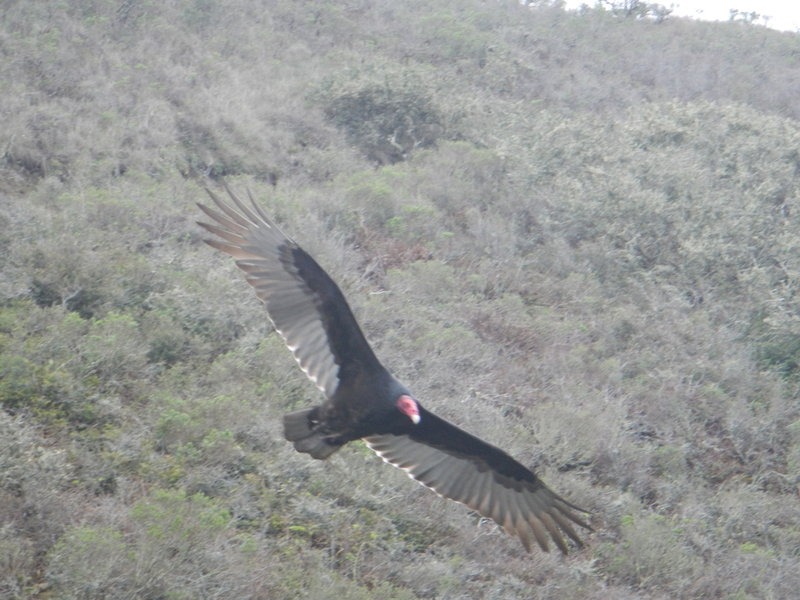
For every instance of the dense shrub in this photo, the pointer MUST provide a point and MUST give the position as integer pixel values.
(387, 122)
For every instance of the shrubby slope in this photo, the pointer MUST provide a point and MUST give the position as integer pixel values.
(574, 235)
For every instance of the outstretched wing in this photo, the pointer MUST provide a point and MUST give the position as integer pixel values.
(305, 305)
(462, 467)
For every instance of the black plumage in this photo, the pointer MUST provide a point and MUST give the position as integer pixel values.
(363, 400)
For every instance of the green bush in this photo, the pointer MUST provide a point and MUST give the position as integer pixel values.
(650, 555)
(387, 121)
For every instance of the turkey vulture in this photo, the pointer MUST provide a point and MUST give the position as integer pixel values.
(363, 400)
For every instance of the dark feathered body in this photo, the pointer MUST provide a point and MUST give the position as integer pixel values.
(364, 401)
(352, 414)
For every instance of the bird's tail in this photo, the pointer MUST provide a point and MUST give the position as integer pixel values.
(298, 427)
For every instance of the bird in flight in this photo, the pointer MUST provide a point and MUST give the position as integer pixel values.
(363, 400)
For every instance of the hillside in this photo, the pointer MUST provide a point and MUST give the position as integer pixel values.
(574, 235)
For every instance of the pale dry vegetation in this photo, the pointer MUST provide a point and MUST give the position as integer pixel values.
(574, 235)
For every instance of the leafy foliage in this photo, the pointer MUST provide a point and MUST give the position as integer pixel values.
(387, 124)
